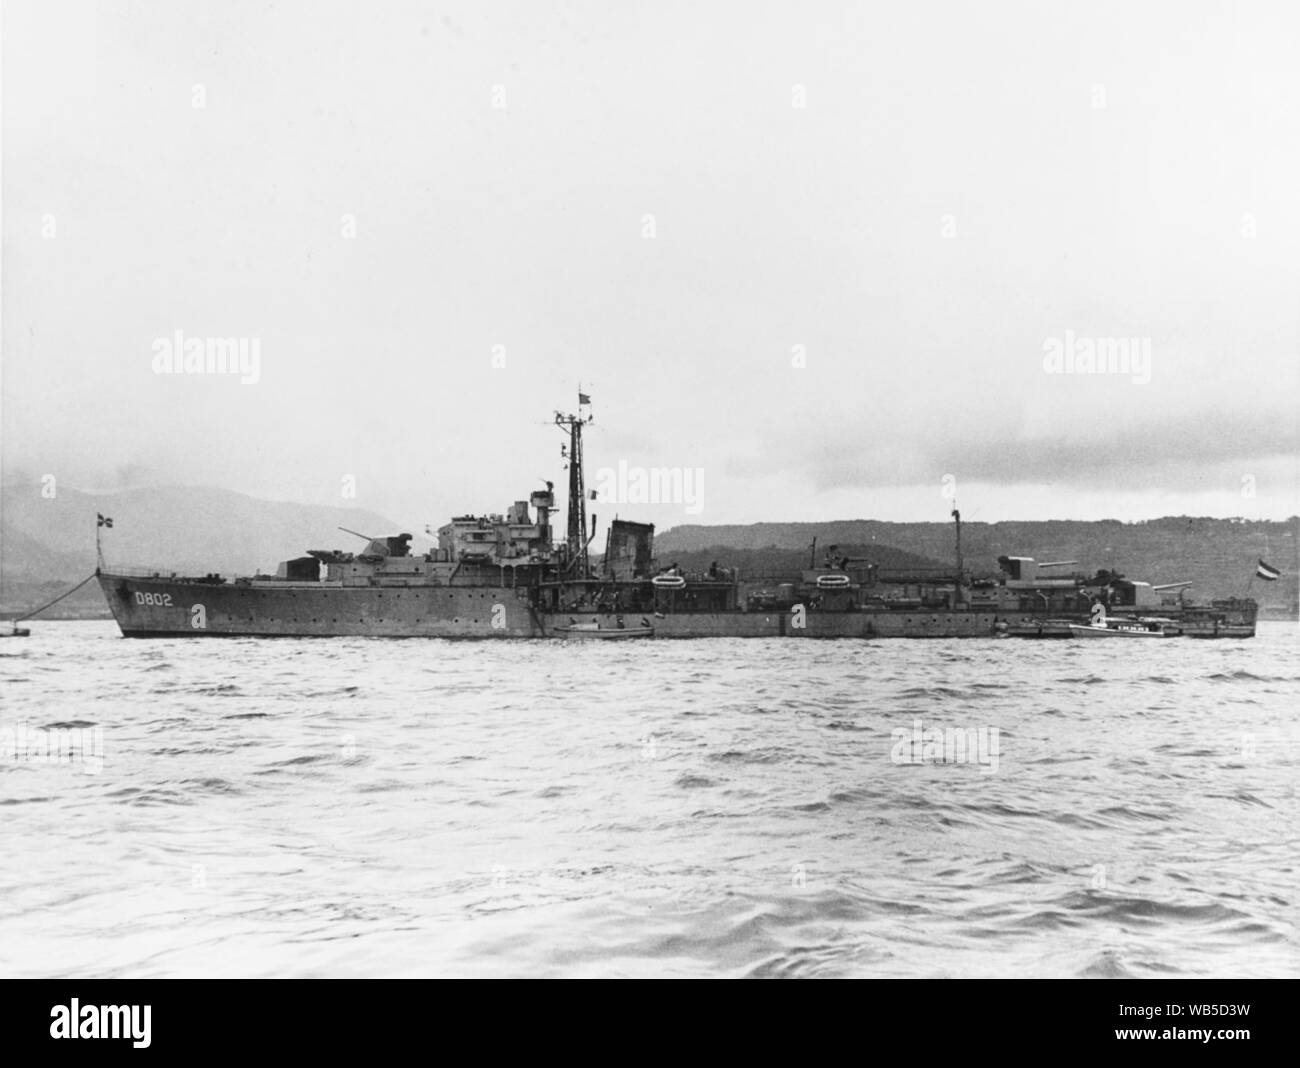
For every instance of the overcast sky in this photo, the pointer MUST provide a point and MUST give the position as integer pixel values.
(822, 253)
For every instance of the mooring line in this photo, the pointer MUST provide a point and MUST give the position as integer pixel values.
(56, 600)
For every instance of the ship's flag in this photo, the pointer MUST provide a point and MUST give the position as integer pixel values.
(104, 521)
(583, 398)
(1268, 572)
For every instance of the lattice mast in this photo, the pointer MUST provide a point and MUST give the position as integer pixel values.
(577, 531)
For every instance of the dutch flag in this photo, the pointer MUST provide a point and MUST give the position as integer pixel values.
(104, 521)
(1268, 571)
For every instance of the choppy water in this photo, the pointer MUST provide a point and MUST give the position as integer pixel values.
(365, 807)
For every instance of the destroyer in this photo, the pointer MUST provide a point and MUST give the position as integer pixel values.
(513, 575)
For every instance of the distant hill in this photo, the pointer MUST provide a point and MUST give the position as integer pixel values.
(1217, 555)
(49, 544)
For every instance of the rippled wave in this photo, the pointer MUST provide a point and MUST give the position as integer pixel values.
(756, 808)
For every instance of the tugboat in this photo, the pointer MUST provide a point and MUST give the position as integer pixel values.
(513, 575)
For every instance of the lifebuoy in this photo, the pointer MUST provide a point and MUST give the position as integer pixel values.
(832, 582)
(668, 582)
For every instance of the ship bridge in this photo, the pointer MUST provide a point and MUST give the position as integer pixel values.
(512, 538)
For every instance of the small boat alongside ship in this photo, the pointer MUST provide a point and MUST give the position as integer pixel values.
(1125, 627)
(1036, 628)
(515, 575)
(595, 631)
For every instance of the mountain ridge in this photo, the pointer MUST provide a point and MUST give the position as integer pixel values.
(49, 543)
(1217, 555)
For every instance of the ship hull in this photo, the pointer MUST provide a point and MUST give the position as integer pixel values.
(174, 608)
(160, 607)
(1222, 630)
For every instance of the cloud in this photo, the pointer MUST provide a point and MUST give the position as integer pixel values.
(1170, 451)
